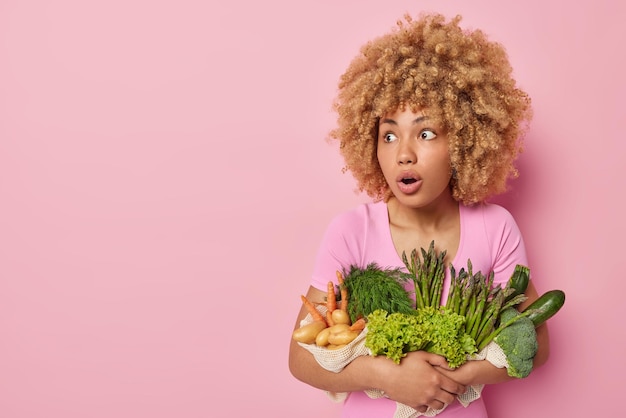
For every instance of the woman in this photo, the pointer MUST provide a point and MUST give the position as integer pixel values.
(429, 123)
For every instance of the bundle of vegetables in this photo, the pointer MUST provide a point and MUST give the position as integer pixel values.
(474, 314)
(336, 329)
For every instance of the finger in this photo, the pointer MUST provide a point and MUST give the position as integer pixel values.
(449, 384)
(437, 360)
(453, 387)
(445, 398)
(435, 404)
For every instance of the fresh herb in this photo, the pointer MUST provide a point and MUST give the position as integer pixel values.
(374, 287)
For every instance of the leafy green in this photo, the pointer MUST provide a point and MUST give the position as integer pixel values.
(437, 331)
(394, 334)
(446, 335)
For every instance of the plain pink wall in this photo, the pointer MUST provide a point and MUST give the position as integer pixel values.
(164, 183)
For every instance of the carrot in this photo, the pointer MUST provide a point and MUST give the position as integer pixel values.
(329, 318)
(358, 325)
(315, 314)
(331, 298)
(344, 292)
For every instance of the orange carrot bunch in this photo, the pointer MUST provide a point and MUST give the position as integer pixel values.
(336, 329)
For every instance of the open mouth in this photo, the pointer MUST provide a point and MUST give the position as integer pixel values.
(408, 182)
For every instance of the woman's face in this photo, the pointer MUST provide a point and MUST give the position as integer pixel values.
(413, 155)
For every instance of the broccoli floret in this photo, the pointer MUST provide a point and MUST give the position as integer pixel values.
(518, 341)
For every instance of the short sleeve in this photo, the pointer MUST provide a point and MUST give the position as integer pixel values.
(340, 248)
(505, 241)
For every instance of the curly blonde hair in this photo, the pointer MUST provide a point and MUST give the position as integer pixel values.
(462, 79)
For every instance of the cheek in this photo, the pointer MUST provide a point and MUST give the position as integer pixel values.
(442, 157)
(380, 156)
(439, 165)
(385, 161)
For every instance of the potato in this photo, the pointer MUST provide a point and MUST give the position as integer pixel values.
(337, 328)
(341, 334)
(340, 317)
(306, 334)
(322, 338)
(343, 337)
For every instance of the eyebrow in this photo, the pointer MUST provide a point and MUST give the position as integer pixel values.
(415, 122)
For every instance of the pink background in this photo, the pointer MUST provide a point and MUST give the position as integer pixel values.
(164, 184)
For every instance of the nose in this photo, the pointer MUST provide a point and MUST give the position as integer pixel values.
(406, 153)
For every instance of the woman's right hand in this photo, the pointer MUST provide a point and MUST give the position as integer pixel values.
(417, 382)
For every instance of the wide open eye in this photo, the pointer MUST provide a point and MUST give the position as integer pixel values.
(389, 137)
(427, 135)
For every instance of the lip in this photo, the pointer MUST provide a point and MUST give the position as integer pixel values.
(411, 187)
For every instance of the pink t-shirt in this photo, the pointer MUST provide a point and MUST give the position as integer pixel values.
(489, 238)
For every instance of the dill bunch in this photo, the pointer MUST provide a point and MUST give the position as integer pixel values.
(374, 287)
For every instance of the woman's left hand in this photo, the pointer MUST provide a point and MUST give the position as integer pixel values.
(475, 372)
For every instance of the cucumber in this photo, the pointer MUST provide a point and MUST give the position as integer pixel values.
(518, 281)
(546, 306)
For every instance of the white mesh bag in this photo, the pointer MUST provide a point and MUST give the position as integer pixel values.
(336, 360)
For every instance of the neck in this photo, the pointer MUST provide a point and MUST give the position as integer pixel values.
(429, 218)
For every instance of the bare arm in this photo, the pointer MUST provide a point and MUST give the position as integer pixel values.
(415, 382)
